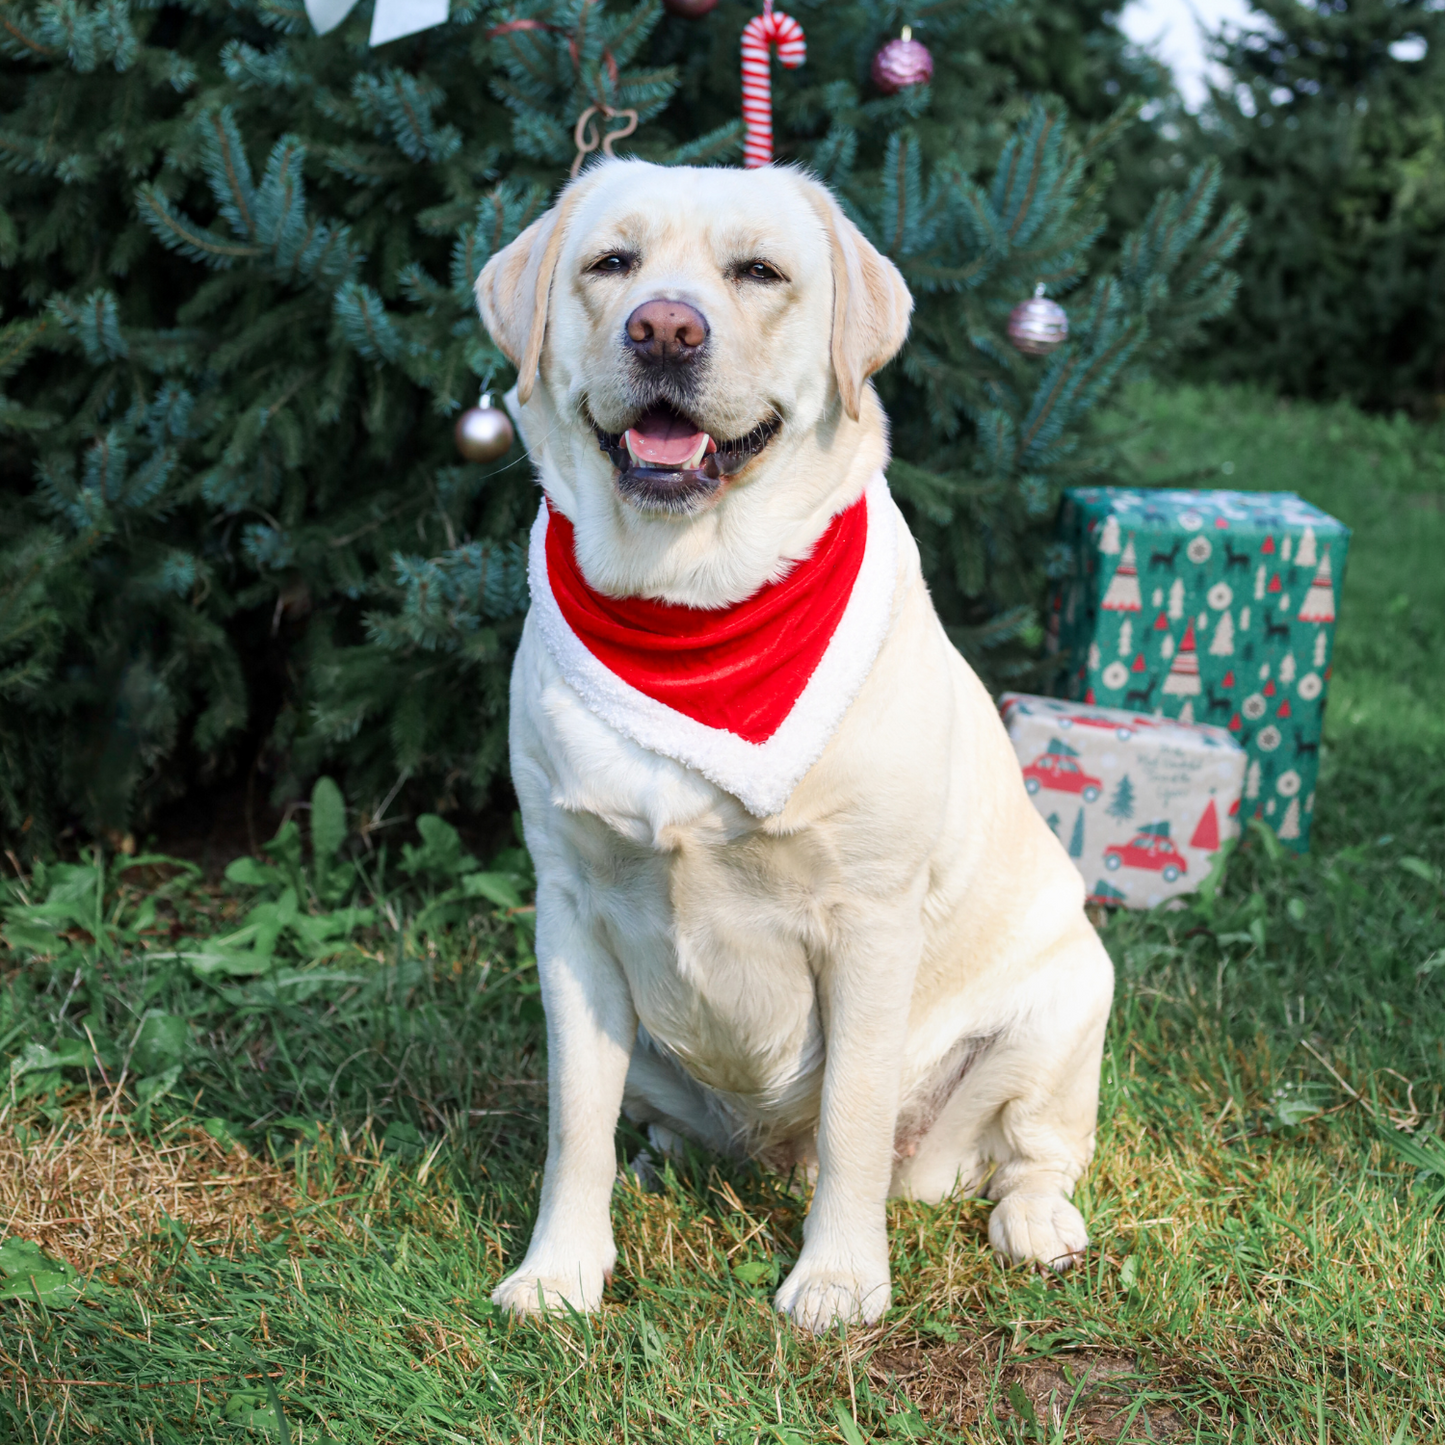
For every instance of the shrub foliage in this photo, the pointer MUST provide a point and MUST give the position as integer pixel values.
(1333, 138)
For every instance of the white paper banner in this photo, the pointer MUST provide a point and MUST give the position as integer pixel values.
(389, 21)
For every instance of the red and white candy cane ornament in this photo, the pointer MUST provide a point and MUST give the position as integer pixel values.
(760, 34)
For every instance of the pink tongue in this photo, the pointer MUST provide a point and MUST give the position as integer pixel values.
(664, 439)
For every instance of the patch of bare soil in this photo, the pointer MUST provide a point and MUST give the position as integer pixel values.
(1093, 1395)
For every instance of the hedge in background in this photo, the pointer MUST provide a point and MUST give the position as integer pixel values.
(1333, 139)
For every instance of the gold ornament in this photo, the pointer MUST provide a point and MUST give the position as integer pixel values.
(484, 432)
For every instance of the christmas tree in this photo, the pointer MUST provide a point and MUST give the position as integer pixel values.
(1121, 805)
(239, 326)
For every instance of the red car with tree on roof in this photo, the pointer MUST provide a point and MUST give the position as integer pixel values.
(1057, 769)
(1151, 848)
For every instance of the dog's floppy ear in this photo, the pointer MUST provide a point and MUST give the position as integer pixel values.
(871, 303)
(514, 287)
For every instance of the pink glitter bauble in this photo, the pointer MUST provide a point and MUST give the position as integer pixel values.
(901, 63)
(1038, 326)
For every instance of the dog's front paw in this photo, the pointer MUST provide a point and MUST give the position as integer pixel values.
(1041, 1227)
(531, 1291)
(817, 1297)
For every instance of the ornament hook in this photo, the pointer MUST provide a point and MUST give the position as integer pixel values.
(585, 134)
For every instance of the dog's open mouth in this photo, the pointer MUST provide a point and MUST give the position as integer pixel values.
(665, 462)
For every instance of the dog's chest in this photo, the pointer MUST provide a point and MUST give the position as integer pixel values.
(712, 919)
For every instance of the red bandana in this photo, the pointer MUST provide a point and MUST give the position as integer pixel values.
(739, 668)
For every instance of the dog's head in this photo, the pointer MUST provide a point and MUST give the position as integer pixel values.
(683, 337)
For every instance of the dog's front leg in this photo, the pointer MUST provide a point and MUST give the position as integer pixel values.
(865, 987)
(591, 1026)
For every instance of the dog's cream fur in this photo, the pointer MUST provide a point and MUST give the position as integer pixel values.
(891, 982)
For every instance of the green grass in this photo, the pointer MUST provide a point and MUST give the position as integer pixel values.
(1267, 1262)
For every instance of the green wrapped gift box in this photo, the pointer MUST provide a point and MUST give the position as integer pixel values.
(1210, 607)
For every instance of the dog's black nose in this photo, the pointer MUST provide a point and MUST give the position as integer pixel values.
(661, 330)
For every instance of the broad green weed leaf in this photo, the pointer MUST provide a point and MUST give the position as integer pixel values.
(160, 1043)
(225, 1134)
(328, 820)
(230, 962)
(1294, 1103)
(47, 1286)
(32, 1059)
(1421, 869)
(1023, 1406)
(25, 937)
(251, 874)
(270, 919)
(252, 1409)
(74, 1054)
(285, 848)
(441, 853)
(495, 887)
(908, 1424)
(318, 932)
(328, 833)
(29, 1272)
(158, 1085)
(754, 1272)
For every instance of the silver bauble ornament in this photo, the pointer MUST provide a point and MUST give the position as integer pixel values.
(484, 432)
(901, 63)
(1038, 326)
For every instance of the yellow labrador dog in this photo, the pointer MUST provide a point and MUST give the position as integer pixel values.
(792, 899)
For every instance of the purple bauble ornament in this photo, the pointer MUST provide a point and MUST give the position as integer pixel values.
(1038, 326)
(484, 432)
(901, 63)
(688, 9)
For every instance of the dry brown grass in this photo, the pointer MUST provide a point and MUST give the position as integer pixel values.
(974, 1383)
(89, 1190)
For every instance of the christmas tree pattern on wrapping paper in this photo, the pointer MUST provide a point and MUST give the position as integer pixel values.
(1123, 593)
(1240, 589)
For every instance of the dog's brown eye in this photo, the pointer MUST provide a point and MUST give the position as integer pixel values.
(614, 264)
(759, 271)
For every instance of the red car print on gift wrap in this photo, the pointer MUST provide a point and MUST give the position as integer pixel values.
(1122, 731)
(1150, 848)
(1057, 769)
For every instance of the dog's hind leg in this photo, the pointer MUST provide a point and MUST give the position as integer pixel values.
(1027, 1109)
(661, 1095)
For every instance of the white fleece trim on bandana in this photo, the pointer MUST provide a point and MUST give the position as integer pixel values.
(761, 776)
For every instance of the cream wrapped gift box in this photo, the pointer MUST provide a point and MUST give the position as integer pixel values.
(1141, 803)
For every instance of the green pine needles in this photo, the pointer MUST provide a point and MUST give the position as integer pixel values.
(235, 535)
(1332, 136)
